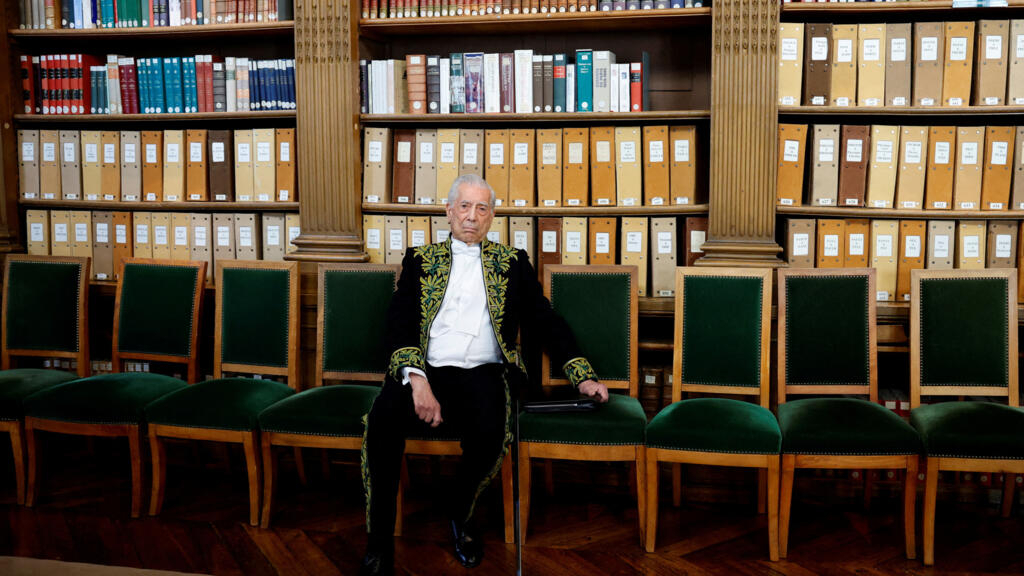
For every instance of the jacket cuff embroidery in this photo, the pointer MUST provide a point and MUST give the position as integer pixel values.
(409, 356)
(579, 370)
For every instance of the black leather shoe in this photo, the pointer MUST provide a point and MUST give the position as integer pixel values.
(377, 564)
(469, 547)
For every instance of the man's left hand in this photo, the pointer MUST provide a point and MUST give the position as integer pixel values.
(595, 390)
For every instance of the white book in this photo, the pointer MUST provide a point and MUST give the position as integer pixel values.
(87, 15)
(524, 81)
(613, 88)
(446, 86)
(174, 10)
(380, 86)
(492, 83)
(624, 102)
(242, 75)
(603, 60)
(570, 87)
(390, 90)
(230, 81)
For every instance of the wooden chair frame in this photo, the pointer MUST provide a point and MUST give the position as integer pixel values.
(132, 431)
(934, 464)
(767, 463)
(249, 439)
(790, 462)
(15, 428)
(555, 451)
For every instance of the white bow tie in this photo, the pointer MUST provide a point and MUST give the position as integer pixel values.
(463, 249)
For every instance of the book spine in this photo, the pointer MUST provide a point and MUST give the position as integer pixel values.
(433, 84)
(538, 82)
(27, 89)
(508, 83)
(558, 83)
(636, 87)
(474, 64)
(584, 81)
(220, 100)
(492, 83)
(458, 84)
(570, 87)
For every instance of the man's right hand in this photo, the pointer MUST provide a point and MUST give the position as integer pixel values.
(427, 407)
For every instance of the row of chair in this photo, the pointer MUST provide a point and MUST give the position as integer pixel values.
(722, 335)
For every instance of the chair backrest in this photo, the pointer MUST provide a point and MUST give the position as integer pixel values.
(600, 305)
(46, 308)
(156, 313)
(723, 318)
(257, 326)
(352, 311)
(963, 334)
(826, 332)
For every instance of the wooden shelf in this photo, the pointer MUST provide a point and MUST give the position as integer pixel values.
(911, 111)
(840, 212)
(104, 118)
(154, 32)
(911, 7)
(636, 20)
(438, 209)
(164, 206)
(538, 117)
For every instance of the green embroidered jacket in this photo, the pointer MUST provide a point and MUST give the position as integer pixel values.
(514, 298)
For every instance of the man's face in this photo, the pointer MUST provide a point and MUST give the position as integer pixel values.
(471, 215)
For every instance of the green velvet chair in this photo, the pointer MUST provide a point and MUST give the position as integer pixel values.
(257, 333)
(722, 336)
(963, 342)
(156, 315)
(827, 346)
(351, 324)
(45, 314)
(608, 339)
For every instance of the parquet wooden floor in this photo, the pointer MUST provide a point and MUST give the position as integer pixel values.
(587, 527)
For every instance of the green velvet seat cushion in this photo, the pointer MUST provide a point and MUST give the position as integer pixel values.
(255, 301)
(42, 306)
(619, 422)
(324, 411)
(715, 425)
(970, 430)
(225, 404)
(105, 399)
(20, 383)
(844, 426)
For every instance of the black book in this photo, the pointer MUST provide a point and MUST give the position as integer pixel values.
(364, 87)
(433, 84)
(220, 93)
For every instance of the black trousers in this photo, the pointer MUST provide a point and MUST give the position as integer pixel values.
(474, 408)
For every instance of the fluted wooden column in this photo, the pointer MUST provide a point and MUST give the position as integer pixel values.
(9, 152)
(741, 226)
(327, 84)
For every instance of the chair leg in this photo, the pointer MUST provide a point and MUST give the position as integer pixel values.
(158, 453)
(524, 489)
(508, 504)
(135, 448)
(1008, 494)
(651, 481)
(18, 449)
(677, 485)
(762, 490)
(773, 508)
(909, 502)
(641, 490)
(250, 441)
(300, 465)
(269, 479)
(931, 492)
(785, 501)
(33, 466)
(325, 464)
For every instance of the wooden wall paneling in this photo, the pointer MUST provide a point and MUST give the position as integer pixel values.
(9, 225)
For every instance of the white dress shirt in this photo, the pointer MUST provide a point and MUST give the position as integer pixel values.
(461, 334)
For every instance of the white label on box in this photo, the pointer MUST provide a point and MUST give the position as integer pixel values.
(180, 236)
(173, 153)
(91, 153)
(36, 231)
(575, 153)
(69, 151)
(245, 237)
(831, 245)
(941, 242)
(519, 239)
(956, 101)
(426, 153)
(1003, 246)
(790, 49)
(448, 152)
(969, 153)
(871, 51)
(373, 238)
(199, 236)
(879, 203)
(786, 201)
(657, 201)
(682, 150)
(285, 153)
(972, 247)
(160, 235)
(81, 232)
(493, 236)
(899, 100)
(883, 151)
(801, 244)
(519, 203)
(843, 101)
(629, 201)
(28, 152)
(604, 151)
(129, 153)
(376, 153)
(819, 48)
(913, 247)
(224, 236)
(993, 47)
(60, 232)
(1020, 45)
(898, 49)
(852, 202)
(927, 101)
(634, 242)
(854, 150)
(469, 153)
(151, 157)
(791, 151)
(263, 152)
(602, 242)
(120, 234)
(442, 235)
(991, 100)
(293, 233)
(929, 48)
(549, 153)
(856, 244)
(999, 152)
(826, 150)
(788, 101)
(141, 234)
(520, 153)
(883, 246)
(102, 234)
(395, 239)
(549, 241)
(572, 242)
(941, 205)
(664, 242)
(942, 152)
(958, 48)
(873, 102)
(273, 235)
(656, 151)
(574, 202)
(404, 152)
(912, 153)
(195, 151)
(995, 205)
(844, 50)
(372, 198)
(604, 202)
(697, 238)
(49, 152)
(882, 296)
(824, 201)
(551, 203)
(419, 238)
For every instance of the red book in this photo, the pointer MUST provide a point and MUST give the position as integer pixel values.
(86, 62)
(636, 87)
(27, 89)
(201, 82)
(123, 72)
(151, 21)
(133, 82)
(44, 82)
(65, 84)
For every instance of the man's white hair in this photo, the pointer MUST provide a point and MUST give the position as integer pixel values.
(472, 180)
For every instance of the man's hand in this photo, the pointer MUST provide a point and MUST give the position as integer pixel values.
(595, 390)
(427, 407)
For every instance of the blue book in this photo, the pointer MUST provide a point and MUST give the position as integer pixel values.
(584, 80)
(291, 83)
(94, 97)
(79, 22)
(103, 106)
(145, 100)
(254, 92)
(192, 86)
(558, 83)
(157, 86)
(200, 19)
(277, 83)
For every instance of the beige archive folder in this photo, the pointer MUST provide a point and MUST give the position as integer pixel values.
(142, 237)
(602, 166)
(264, 168)
(471, 144)
(174, 167)
(38, 224)
(60, 237)
(28, 163)
(871, 65)
(825, 164)
(202, 236)
(223, 237)
(990, 62)
(1015, 65)
(1002, 244)
(110, 166)
(447, 162)
(499, 230)
(426, 167)
(418, 230)
(293, 222)
(913, 236)
(181, 227)
(843, 91)
(81, 232)
(373, 234)
(663, 256)
(549, 167)
(496, 167)
(161, 228)
(247, 237)
(394, 235)
(574, 241)
(682, 179)
(522, 143)
(929, 63)
(49, 165)
(970, 244)
(121, 233)
(131, 166)
(885, 239)
(274, 235)
(885, 146)
(898, 64)
(800, 242)
(152, 165)
(941, 244)
(995, 183)
(970, 145)
(634, 249)
(92, 171)
(628, 171)
(520, 231)
(959, 56)
(284, 164)
(655, 177)
(70, 166)
(439, 229)
(244, 167)
(102, 246)
(791, 63)
(911, 172)
(575, 166)
(376, 164)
